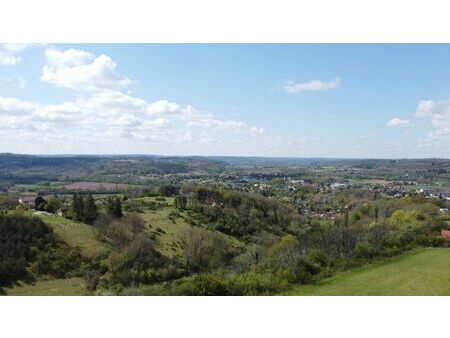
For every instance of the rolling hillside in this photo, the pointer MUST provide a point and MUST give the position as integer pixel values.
(423, 272)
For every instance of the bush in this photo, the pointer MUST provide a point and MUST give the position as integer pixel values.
(201, 285)
(365, 250)
(22, 239)
(251, 284)
(205, 251)
(140, 264)
(59, 261)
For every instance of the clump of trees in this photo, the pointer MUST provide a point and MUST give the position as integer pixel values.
(83, 208)
(239, 214)
(168, 190)
(114, 206)
(29, 247)
(205, 250)
(119, 232)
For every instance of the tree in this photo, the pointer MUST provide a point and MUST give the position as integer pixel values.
(287, 260)
(21, 240)
(53, 204)
(77, 207)
(114, 207)
(180, 202)
(168, 190)
(40, 203)
(284, 256)
(139, 263)
(89, 209)
(400, 219)
(204, 250)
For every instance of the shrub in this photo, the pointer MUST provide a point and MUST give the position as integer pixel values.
(251, 284)
(22, 239)
(364, 250)
(201, 285)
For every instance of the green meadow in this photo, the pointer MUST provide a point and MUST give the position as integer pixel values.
(51, 287)
(422, 272)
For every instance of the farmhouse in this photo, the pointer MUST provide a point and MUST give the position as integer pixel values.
(338, 186)
(27, 201)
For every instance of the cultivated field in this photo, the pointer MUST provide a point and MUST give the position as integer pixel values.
(94, 186)
(423, 272)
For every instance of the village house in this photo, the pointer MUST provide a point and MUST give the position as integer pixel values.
(445, 234)
(27, 201)
(338, 186)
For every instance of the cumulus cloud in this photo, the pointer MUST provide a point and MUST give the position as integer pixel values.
(398, 123)
(12, 106)
(164, 107)
(438, 112)
(101, 117)
(10, 53)
(291, 87)
(80, 70)
(112, 115)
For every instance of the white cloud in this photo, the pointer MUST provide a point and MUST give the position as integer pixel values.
(439, 114)
(9, 53)
(291, 87)
(80, 70)
(8, 60)
(163, 107)
(437, 111)
(12, 106)
(109, 116)
(398, 123)
(101, 118)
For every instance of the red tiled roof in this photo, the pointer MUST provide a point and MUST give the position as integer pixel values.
(445, 234)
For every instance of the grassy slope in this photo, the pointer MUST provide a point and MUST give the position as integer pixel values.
(52, 287)
(173, 231)
(76, 234)
(418, 273)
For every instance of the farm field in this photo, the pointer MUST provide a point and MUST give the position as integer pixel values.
(423, 272)
(51, 287)
(94, 186)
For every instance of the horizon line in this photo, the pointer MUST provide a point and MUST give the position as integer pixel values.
(228, 156)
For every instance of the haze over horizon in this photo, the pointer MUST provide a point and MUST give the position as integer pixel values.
(300, 100)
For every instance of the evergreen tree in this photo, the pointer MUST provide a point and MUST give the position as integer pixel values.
(114, 207)
(77, 207)
(89, 209)
(180, 202)
(40, 203)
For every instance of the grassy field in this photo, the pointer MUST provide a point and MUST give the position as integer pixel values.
(173, 228)
(51, 287)
(76, 234)
(423, 272)
(171, 231)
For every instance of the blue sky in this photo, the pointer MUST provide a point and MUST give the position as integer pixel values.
(377, 101)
